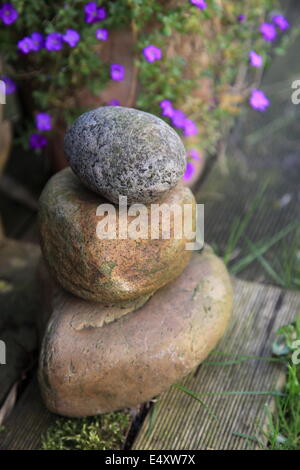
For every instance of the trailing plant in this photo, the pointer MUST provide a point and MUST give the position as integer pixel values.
(197, 62)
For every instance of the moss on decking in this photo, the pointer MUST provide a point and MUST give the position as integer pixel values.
(92, 433)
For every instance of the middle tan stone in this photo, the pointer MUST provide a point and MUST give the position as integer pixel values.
(109, 270)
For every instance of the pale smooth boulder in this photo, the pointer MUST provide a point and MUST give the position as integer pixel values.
(89, 366)
(110, 270)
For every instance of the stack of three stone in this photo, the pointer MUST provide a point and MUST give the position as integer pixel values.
(150, 311)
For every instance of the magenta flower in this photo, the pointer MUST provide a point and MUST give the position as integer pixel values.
(167, 108)
(54, 42)
(37, 41)
(178, 118)
(268, 31)
(256, 60)
(117, 72)
(281, 22)
(113, 102)
(201, 4)
(43, 121)
(190, 128)
(26, 45)
(152, 53)
(241, 18)
(193, 153)
(93, 13)
(102, 34)
(10, 86)
(37, 141)
(189, 171)
(71, 37)
(8, 14)
(258, 100)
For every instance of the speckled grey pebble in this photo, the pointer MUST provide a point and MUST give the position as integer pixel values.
(122, 151)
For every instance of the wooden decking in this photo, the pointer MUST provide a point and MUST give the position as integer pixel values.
(179, 421)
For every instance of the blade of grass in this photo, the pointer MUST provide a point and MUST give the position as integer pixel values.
(273, 393)
(239, 226)
(245, 436)
(268, 268)
(152, 418)
(196, 397)
(263, 248)
(242, 359)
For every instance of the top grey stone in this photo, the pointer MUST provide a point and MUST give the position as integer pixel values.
(122, 151)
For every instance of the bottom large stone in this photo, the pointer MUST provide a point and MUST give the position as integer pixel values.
(89, 365)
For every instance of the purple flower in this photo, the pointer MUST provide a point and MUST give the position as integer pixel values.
(93, 13)
(268, 31)
(178, 118)
(152, 53)
(43, 121)
(37, 41)
(256, 60)
(193, 153)
(8, 14)
(189, 171)
(37, 141)
(25, 45)
(113, 102)
(241, 18)
(71, 37)
(10, 86)
(258, 100)
(281, 22)
(201, 4)
(54, 42)
(167, 108)
(190, 128)
(101, 14)
(102, 34)
(90, 10)
(117, 72)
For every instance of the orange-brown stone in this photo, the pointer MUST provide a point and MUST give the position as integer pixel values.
(94, 360)
(112, 270)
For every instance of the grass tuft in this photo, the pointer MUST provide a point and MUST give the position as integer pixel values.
(284, 426)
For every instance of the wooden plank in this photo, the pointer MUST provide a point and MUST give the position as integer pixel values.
(27, 422)
(180, 422)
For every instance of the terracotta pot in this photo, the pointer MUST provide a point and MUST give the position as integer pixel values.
(5, 134)
(5, 145)
(119, 48)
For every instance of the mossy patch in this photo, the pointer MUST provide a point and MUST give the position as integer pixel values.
(106, 432)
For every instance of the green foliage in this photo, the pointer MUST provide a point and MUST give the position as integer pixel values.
(106, 432)
(284, 426)
(50, 80)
